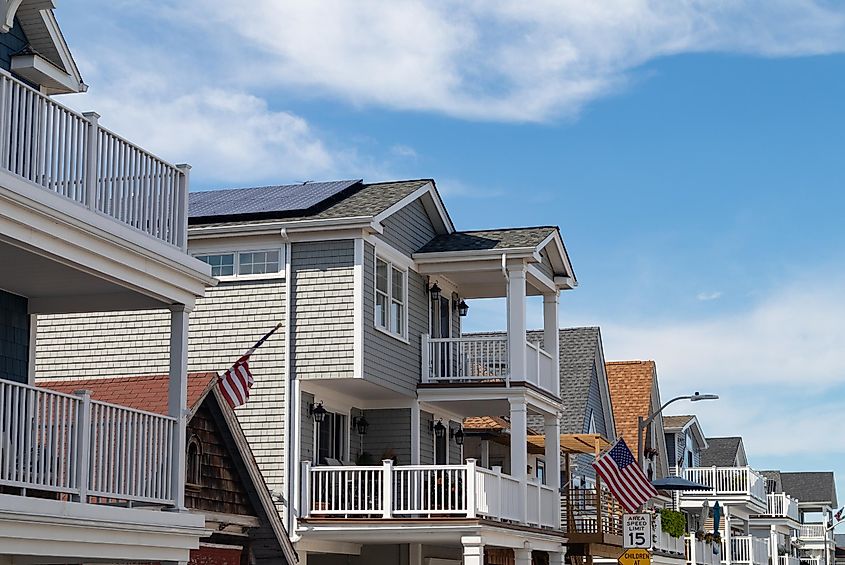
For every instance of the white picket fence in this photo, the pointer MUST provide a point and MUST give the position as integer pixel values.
(425, 491)
(70, 444)
(72, 155)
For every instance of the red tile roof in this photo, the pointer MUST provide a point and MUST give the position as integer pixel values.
(141, 393)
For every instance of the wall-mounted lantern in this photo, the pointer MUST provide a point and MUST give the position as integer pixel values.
(317, 412)
(439, 429)
(435, 292)
(361, 424)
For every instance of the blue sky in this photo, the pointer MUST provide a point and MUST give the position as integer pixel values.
(691, 153)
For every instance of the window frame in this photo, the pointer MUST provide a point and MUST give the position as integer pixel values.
(388, 329)
(236, 252)
(193, 480)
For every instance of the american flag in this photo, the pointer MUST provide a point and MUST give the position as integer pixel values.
(624, 477)
(235, 383)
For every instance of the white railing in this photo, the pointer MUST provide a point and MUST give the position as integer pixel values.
(483, 359)
(69, 444)
(749, 550)
(70, 154)
(727, 481)
(424, 491)
(788, 560)
(811, 531)
(540, 368)
(783, 505)
(699, 552)
(815, 560)
(662, 541)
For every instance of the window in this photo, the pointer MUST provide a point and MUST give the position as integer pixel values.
(193, 462)
(243, 263)
(689, 459)
(390, 298)
(541, 471)
(331, 438)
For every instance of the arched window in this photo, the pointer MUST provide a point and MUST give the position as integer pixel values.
(193, 462)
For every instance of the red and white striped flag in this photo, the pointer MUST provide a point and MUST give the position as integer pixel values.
(619, 470)
(235, 383)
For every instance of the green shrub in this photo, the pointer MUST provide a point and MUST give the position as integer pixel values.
(673, 523)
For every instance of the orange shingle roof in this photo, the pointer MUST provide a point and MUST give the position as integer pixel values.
(631, 383)
(147, 393)
(486, 423)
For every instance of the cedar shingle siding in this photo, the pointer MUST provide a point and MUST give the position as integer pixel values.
(322, 325)
(409, 228)
(14, 337)
(226, 322)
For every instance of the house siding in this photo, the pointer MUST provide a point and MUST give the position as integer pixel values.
(596, 407)
(306, 438)
(426, 438)
(389, 361)
(226, 322)
(408, 229)
(10, 43)
(14, 337)
(389, 434)
(322, 315)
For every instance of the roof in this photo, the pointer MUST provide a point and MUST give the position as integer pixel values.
(355, 200)
(486, 423)
(810, 486)
(673, 423)
(590, 444)
(631, 384)
(722, 451)
(148, 393)
(508, 238)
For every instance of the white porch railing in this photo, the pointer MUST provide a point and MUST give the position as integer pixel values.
(662, 541)
(69, 444)
(749, 550)
(424, 491)
(811, 531)
(484, 359)
(815, 560)
(70, 154)
(783, 505)
(727, 481)
(699, 552)
(788, 560)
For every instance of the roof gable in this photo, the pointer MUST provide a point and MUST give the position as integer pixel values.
(811, 486)
(631, 384)
(724, 452)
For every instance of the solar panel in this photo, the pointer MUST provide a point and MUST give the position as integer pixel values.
(264, 199)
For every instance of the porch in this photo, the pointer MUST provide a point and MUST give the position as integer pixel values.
(781, 505)
(731, 485)
(812, 532)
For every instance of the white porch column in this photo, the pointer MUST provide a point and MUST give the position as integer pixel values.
(551, 335)
(485, 453)
(552, 442)
(415, 554)
(415, 432)
(522, 556)
(726, 558)
(33, 335)
(773, 544)
(516, 322)
(473, 550)
(519, 449)
(557, 557)
(177, 399)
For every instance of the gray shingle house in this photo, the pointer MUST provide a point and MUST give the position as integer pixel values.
(370, 283)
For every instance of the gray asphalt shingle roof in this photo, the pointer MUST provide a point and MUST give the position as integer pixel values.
(358, 200)
(810, 486)
(488, 239)
(722, 451)
(671, 423)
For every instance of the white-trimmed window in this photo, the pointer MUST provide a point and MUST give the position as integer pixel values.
(248, 264)
(391, 291)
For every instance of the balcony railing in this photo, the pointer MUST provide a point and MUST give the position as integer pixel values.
(783, 506)
(663, 542)
(749, 550)
(728, 481)
(72, 446)
(699, 552)
(588, 511)
(812, 531)
(424, 491)
(484, 359)
(788, 560)
(816, 560)
(68, 153)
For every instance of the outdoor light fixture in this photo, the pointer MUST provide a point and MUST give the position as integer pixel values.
(361, 424)
(642, 423)
(458, 435)
(435, 292)
(317, 412)
(698, 396)
(463, 308)
(439, 429)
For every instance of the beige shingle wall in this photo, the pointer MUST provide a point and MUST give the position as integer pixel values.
(226, 322)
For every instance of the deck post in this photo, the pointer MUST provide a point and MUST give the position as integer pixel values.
(470, 488)
(498, 490)
(387, 489)
(177, 401)
(305, 490)
(83, 440)
(425, 358)
(415, 431)
(552, 448)
(182, 206)
(519, 449)
(517, 350)
(91, 159)
(473, 550)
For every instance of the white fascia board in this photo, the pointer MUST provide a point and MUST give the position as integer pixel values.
(562, 257)
(444, 256)
(10, 8)
(358, 308)
(542, 279)
(66, 56)
(276, 226)
(427, 189)
(566, 283)
(42, 72)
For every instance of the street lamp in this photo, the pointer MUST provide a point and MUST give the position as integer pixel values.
(641, 424)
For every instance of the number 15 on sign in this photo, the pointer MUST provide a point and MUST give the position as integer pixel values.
(636, 531)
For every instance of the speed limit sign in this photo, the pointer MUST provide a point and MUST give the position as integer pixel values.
(636, 531)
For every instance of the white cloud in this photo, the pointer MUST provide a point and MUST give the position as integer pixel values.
(705, 296)
(498, 60)
(403, 151)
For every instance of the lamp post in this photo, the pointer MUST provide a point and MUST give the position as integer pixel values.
(641, 423)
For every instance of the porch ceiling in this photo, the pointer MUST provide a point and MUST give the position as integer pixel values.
(484, 280)
(54, 285)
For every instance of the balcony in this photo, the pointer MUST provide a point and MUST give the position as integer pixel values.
(788, 560)
(781, 505)
(69, 154)
(72, 448)
(428, 492)
(738, 485)
(748, 550)
(812, 532)
(591, 515)
(485, 360)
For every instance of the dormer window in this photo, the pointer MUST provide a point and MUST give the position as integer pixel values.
(193, 463)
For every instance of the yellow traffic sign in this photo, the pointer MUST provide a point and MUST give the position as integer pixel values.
(635, 557)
